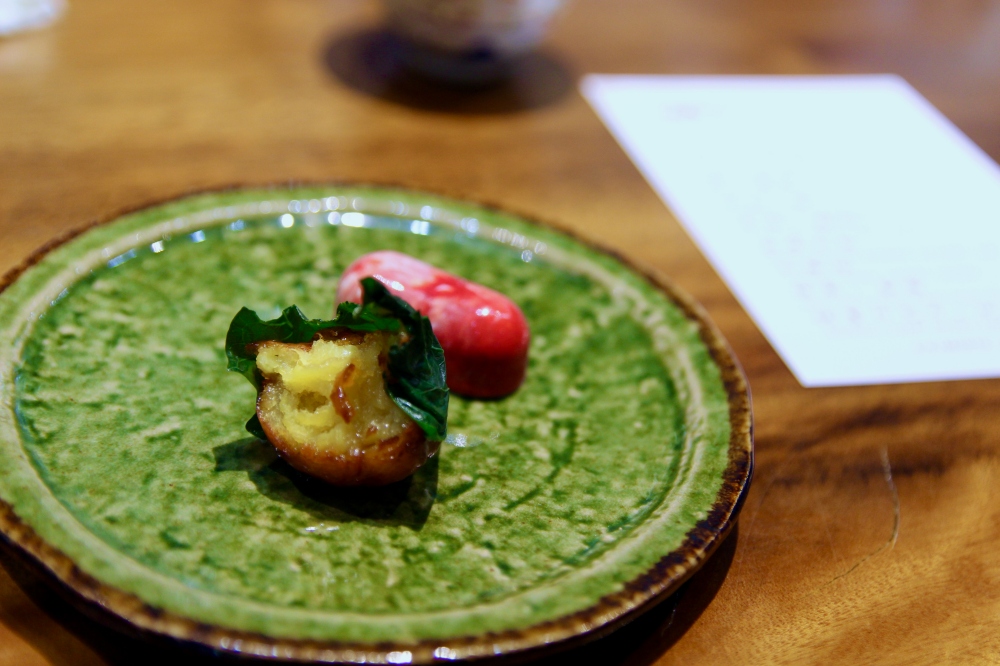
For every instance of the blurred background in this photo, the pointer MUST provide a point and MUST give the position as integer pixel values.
(119, 104)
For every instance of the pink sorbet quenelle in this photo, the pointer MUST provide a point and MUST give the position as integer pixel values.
(483, 333)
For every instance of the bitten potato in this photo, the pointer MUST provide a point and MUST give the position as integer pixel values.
(324, 406)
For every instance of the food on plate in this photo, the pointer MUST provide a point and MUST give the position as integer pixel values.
(483, 333)
(359, 400)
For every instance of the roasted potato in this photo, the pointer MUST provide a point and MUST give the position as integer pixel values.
(323, 405)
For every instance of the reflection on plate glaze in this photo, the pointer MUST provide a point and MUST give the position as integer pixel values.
(619, 430)
(462, 440)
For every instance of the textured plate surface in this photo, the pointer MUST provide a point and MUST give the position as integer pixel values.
(124, 467)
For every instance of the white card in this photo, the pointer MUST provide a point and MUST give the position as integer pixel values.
(858, 227)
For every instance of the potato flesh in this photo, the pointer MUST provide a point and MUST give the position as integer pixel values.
(329, 394)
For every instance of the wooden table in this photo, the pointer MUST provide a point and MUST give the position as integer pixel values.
(872, 532)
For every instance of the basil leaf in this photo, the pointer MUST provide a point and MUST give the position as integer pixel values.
(416, 367)
(254, 427)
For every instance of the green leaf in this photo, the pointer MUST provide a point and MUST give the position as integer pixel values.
(416, 369)
(254, 427)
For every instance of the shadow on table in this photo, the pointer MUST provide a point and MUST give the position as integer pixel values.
(370, 62)
(639, 643)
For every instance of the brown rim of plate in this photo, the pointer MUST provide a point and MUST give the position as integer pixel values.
(127, 612)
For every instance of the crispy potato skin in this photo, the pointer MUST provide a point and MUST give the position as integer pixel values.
(389, 461)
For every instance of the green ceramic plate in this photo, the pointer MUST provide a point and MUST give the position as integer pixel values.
(558, 512)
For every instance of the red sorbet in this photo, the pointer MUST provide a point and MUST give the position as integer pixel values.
(483, 333)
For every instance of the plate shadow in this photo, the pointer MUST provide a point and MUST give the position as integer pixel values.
(371, 62)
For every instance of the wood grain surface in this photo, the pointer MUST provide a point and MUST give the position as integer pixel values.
(871, 533)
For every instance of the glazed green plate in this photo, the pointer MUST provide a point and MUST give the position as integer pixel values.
(552, 515)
